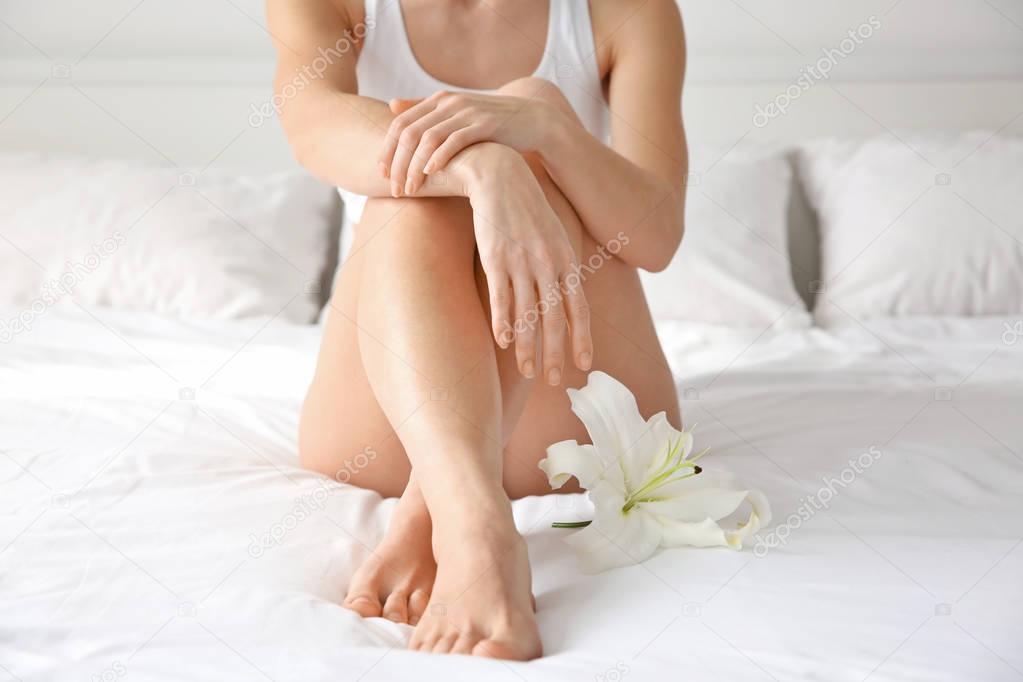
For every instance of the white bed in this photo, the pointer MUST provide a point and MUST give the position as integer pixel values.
(154, 524)
(142, 468)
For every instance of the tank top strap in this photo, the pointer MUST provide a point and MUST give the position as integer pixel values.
(383, 17)
(574, 27)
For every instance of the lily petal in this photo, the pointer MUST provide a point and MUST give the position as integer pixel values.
(566, 459)
(637, 538)
(608, 501)
(707, 503)
(612, 418)
(759, 517)
(708, 533)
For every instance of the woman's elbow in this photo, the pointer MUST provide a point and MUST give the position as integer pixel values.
(660, 258)
(662, 250)
(297, 136)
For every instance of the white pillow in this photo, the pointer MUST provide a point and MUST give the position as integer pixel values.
(733, 267)
(929, 224)
(135, 236)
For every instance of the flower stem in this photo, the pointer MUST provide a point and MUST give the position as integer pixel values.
(570, 524)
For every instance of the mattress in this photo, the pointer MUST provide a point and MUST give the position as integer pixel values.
(154, 524)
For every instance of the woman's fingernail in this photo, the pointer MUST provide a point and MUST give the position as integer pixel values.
(410, 187)
(584, 360)
(554, 376)
(428, 168)
(383, 168)
(527, 368)
(394, 190)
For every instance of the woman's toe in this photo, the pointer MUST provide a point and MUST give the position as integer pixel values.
(396, 607)
(424, 643)
(417, 605)
(365, 604)
(423, 637)
(445, 643)
(464, 644)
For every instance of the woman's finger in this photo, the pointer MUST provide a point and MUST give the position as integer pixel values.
(555, 326)
(400, 106)
(526, 320)
(500, 307)
(398, 124)
(455, 143)
(428, 144)
(578, 311)
(408, 142)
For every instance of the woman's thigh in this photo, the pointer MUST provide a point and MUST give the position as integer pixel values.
(341, 418)
(345, 434)
(625, 345)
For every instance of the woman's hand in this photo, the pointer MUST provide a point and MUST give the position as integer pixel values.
(531, 268)
(427, 133)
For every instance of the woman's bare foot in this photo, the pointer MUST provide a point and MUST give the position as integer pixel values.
(482, 602)
(395, 581)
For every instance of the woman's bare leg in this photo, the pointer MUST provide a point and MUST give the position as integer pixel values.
(427, 351)
(396, 579)
(341, 418)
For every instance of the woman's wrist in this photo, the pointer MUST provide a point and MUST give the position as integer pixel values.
(486, 165)
(549, 128)
(556, 133)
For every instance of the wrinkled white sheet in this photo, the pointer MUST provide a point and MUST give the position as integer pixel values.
(154, 525)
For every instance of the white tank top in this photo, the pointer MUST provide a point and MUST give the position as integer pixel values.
(387, 68)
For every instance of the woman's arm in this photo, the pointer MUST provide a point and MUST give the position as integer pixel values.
(334, 132)
(635, 185)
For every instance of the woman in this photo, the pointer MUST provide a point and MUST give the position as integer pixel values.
(494, 263)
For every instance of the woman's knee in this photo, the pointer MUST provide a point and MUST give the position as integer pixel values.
(379, 465)
(429, 230)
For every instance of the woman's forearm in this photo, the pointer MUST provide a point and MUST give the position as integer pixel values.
(612, 195)
(337, 135)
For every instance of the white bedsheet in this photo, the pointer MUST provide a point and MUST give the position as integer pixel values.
(144, 460)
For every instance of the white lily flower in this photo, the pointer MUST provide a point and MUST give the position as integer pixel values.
(646, 490)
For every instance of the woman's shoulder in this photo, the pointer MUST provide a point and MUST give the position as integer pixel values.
(618, 22)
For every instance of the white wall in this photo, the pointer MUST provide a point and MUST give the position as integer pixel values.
(174, 79)
(920, 38)
(917, 39)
